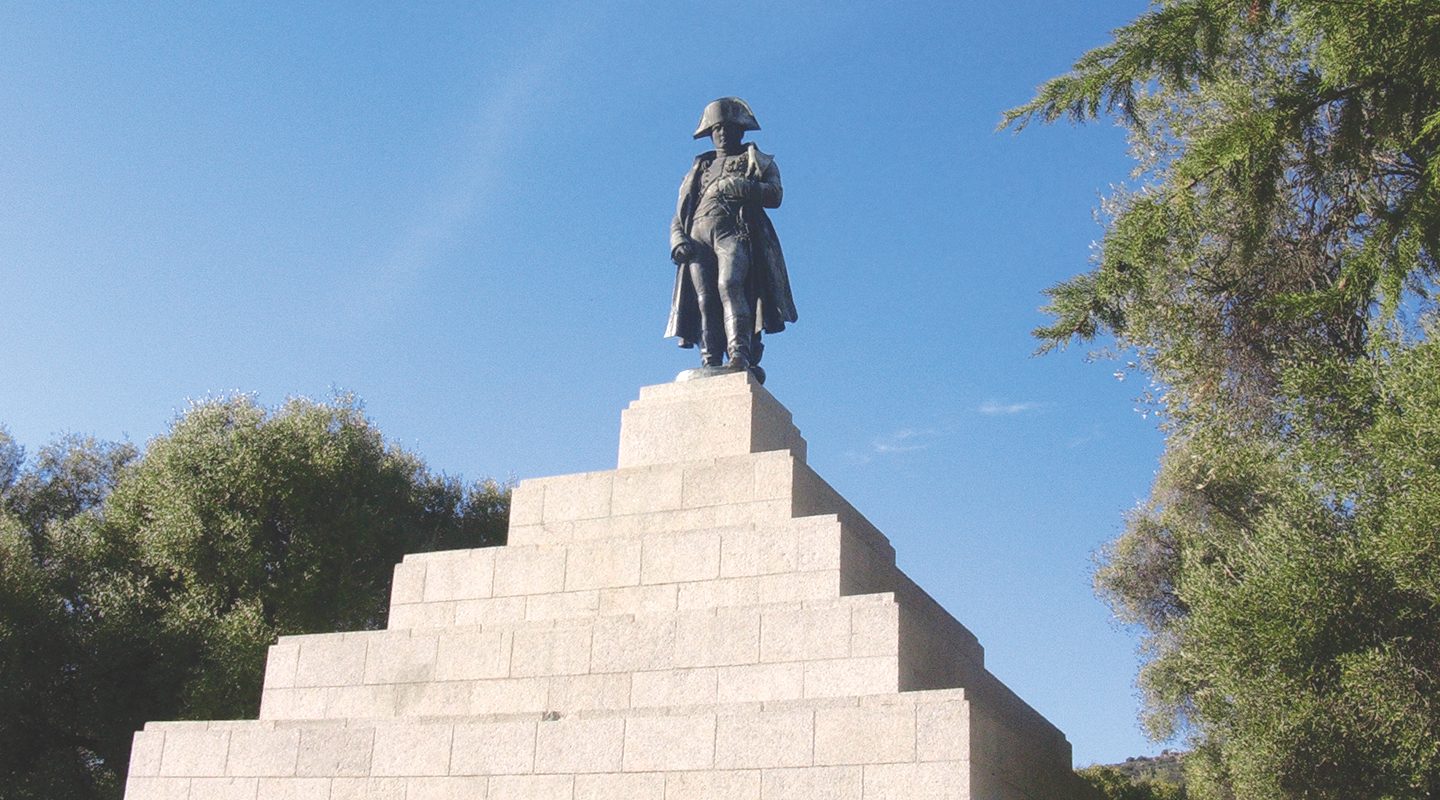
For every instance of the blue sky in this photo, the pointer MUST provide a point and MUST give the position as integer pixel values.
(459, 213)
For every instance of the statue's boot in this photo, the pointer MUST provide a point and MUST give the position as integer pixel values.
(739, 331)
(712, 345)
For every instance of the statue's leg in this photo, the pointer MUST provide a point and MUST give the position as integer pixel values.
(712, 329)
(733, 257)
(757, 347)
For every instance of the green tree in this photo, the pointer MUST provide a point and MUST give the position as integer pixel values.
(68, 477)
(150, 588)
(1272, 269)
(52, 730)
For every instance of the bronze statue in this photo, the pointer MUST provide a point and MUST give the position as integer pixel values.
(730, 280)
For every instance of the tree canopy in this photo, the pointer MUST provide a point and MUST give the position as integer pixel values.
(1272, 264)
(148, 586)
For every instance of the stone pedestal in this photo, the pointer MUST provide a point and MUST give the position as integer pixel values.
(709, 620)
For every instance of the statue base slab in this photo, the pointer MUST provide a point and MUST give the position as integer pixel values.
(715, 372)
(708, 620)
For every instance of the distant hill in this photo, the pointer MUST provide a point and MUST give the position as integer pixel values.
(1165, 767)
(1140, 778)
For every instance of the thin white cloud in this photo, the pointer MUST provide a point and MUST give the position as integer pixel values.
(999, 408)
(473, 182)
(905, 440)
(853, 457)
(1094, 435)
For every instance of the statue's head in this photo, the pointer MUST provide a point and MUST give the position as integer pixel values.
(727, 111)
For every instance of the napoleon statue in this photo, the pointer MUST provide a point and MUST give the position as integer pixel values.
(730, 280)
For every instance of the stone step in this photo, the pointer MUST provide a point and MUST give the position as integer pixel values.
(757, 488)
(713, 418)
(670, 490)
(918, 745)
(844, 646)
(810, 558)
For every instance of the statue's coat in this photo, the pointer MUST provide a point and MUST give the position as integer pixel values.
(774, 304)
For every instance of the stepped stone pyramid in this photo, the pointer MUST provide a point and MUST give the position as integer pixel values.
(709, 620)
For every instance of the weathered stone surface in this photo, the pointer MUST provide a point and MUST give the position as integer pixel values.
(450, 788)
(473, 654)
(262, 752)
(936, 781)
(400, 659)
(620, 786)
(140, 787)
(293, 703)
(804, 634)
(654, 744)
(280, 664)
(674, 687)
(642, 601)
(468, 578)
(340, 752)
(848, 677)
(413, 749)
(602, 565)
(864, 735)
(831, 783)
(428, 615)
(550, 651)
(531, 787)
(280, 789)
(492, 610)
(432, 699)
(942, 731)
(565, 605)
(717, 637)
(574, 745)
(234, 788)
(146, 749)
(330, 661)
(748, 683)
(493, 748)
(775, 739)
(643, 491)
(526, 570)
(509, 696)
(681, 558)
(580, 693)
(713, 785)
(194, 750)
(367, 789)
(627, 644)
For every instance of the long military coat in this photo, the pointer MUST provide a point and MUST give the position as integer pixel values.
(768, 281)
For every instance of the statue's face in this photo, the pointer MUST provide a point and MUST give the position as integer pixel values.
(726, 137)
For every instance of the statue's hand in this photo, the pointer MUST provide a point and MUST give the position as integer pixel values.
(738, 188)
(683, 252)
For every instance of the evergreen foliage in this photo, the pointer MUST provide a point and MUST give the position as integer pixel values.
(1273, 267)
(138, 587)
